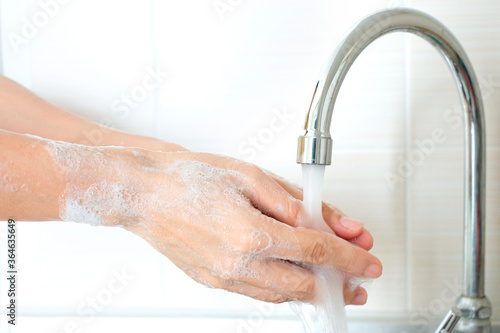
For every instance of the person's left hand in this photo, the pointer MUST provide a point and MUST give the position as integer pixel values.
(343, 226)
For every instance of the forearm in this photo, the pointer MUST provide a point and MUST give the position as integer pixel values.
(44, 180)
(30, 182)
(23, 112)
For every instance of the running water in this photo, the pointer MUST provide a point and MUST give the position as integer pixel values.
(327, 314)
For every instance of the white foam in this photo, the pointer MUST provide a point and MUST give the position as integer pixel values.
(98, 203)
(93, 193)
(6, 184)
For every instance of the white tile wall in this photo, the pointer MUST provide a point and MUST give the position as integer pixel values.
(115, 34)
(227, 78)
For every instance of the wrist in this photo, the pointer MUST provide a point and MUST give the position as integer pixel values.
(99, 188)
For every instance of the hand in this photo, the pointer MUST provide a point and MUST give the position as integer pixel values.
(343, 226)
(229, 225)
(226, 223)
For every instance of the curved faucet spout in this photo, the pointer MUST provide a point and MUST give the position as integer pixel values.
(315, 146)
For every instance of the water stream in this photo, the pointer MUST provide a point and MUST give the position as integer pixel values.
(327, 314)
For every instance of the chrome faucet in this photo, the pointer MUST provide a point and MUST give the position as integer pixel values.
(472, 310)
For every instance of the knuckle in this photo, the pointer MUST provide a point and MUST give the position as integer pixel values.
(259, 241)
(219, 284)
(294, 211)
(242, 242)
(318, 252)
(235, 269)
(275, 298)
(332, 214)
(305, 289)
(251, 242)
(224, 269)
(300, 286)
(254, 170)
(221, 281)
(247, 168)
(212, 281)
(342, 258)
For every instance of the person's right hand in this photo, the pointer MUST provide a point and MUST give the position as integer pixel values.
(226, 223)
(343, 226)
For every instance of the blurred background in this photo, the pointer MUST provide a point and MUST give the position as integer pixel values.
(235, 77)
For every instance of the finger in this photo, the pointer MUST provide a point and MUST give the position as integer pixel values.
(270, 198)
(257, 293)
(282, 278)
(365, 240)
(260, 188)
(266, 289)
(240, 288)
(356, 297)
(329, 250)
(294, 190)
(284, 281)
(319, 248)
(347, 228)
(342, 225)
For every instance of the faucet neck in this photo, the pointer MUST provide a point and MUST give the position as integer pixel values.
(314, 147)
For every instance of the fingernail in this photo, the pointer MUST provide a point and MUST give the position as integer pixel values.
(373, 271)
(350, 224)
(359, 300)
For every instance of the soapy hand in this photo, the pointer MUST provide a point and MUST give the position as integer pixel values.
(230, 225)
(343, 226)
(226, 223)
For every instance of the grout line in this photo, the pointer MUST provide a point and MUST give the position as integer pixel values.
(407, 139)
(154, 63)
(156, 107)
(154, 51)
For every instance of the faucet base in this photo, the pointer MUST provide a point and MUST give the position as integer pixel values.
(476, 313)
(473, 326)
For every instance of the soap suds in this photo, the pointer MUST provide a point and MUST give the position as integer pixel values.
(10, 181)
(98, 203)
(7, 185)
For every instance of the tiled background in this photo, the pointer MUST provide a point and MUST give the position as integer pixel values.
(228, 76)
